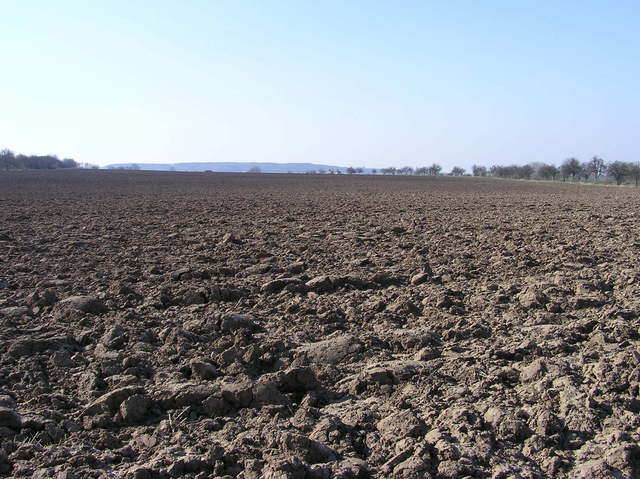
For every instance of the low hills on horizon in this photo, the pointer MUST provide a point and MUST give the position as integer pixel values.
(237, 167)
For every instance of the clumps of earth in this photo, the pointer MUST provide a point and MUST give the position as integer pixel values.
(158, 325)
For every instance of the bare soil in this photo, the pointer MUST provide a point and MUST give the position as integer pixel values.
(160, 325)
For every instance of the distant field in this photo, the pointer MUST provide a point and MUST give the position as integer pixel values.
(309, 323)
(141, 182)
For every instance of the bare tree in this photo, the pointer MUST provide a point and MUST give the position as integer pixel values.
(457, 171)
(618, 170)
(504, 171)
(586, 169)
(478, 170)
(525, 172)
(548, 172)
(634, 172)
(570, 168)
(7, 159)
(598, 167)
(434, 169)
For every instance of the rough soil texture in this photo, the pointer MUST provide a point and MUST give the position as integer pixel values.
(160, 325)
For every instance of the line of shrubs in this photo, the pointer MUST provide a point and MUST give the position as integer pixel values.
(10, 161)
(572, 169)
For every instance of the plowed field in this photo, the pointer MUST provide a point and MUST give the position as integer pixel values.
(160, 325)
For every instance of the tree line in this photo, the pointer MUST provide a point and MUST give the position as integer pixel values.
(10, 161)
(572, 169)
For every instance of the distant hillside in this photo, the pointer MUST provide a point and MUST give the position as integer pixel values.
(232, 167)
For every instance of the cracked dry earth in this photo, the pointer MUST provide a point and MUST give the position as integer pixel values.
(161, 325)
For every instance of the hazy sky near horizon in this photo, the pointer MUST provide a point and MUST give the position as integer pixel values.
(362, 83)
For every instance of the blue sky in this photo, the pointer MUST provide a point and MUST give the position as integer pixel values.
(363, 83)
